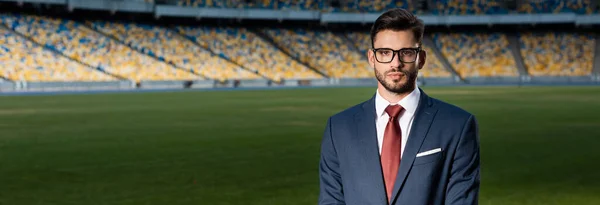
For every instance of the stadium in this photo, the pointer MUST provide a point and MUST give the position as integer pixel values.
(225, 102)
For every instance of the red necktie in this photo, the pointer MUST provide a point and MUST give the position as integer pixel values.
(391, 149)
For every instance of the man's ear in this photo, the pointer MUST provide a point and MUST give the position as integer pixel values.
(422, 58)
(371, 57)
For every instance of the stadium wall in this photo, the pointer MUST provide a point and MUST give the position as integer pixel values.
(8, 87)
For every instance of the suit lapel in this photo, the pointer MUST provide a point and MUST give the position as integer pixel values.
(423, 118)
(366, 137)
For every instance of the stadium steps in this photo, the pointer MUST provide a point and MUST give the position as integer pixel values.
(353, 46)
(436, 51)
(596, 65)
(212, 53)
(141, 52)
(269, 40)
(61, 53)
(515, 49)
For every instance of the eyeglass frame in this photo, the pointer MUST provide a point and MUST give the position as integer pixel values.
(418, 49)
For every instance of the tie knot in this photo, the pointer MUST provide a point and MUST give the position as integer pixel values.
(393, 110)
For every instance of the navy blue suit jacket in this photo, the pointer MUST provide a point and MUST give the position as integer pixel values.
(350, 170)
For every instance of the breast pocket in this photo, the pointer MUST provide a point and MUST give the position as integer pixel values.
(428, 158)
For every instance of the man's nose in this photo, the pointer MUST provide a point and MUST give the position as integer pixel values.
(396, 63)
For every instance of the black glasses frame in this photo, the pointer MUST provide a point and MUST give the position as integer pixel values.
(417, 50)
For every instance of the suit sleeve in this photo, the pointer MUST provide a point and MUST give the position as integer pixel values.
(330, 184)
(464, 182)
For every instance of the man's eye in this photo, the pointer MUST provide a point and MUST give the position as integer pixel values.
(408, 53)
(384, 53)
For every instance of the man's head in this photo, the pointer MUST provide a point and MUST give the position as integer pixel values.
(396, 54)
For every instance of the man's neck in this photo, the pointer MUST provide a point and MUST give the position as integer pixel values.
(391, 96)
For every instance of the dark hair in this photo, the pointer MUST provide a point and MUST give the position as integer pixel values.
(398, 20)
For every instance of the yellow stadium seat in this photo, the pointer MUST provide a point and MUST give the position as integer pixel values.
(557, 54)
(477, 55)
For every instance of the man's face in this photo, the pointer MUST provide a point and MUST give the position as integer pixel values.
(396, 76)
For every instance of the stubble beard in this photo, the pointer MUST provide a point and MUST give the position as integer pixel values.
(396, 86)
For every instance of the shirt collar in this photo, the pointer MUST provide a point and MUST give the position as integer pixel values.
(409, 103)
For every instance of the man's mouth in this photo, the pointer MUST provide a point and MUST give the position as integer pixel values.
(395, 74)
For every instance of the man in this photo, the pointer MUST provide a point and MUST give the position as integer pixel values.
(401, 146)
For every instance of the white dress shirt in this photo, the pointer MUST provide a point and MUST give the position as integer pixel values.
(409, 103)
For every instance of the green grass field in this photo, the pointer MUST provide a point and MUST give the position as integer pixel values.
(540, 145)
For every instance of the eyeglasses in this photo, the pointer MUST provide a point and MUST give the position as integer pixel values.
(406, 55)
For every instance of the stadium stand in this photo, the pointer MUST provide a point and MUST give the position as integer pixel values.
(557, 54)
(250, 51)
(322, 50)
(557, 6)
(92, 48)
(208, 3)
(368, 6)
(461, 7)
(168, 46)
(441, 7)
(102, 50)
(433, 67)
(299, 4)
(267, 4)
(22, 60)
(477, 55)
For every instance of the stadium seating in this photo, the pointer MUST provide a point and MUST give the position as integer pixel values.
(22, 60)
(465, 7)
(267, 4)
(557, 54)
(550, 6)
(249, 50)
(462, 7)
(299, 4)
(433, 67)
(441, 7)
(558, 6)
(322, 50)
(368, 6)
(99, 51)
(477, 55)
(90, 47)
(168, 46)
(209, 3)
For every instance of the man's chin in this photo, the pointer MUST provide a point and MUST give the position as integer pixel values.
(398, 83)
(394, 87)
